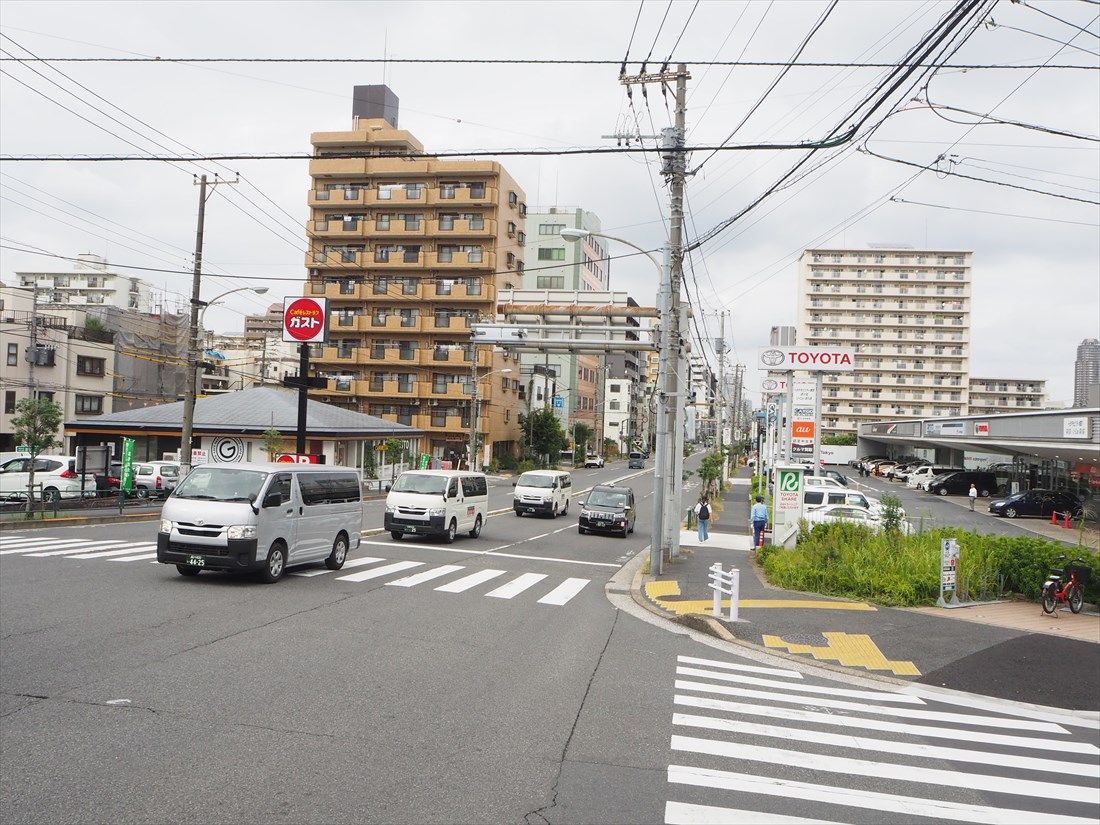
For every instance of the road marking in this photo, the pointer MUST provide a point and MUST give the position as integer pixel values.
(307, 574)
(426, 576)
(516, 585)
(76, 548)
(851, 650)
(866, 743)
(564, 591)
(136, 558)
(913, 806)
(881, 710)
(377, 572)
(884, 770)
(683, 813)
(869, 695)
(864, 723)
(771, 671)
(26, 547)
(445, 549)
(133, 548)
(472, 580)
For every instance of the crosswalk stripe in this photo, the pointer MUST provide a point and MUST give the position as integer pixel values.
(870, 695)
(426, 576)
(683, 813)
(564, 591)
(772, 671)
(516, 585)
(83, 547)
(133, 548)
(27, 547)
(322, 571)
(472, 580)
(866, 743)
(881, 710)
(863, 798)
(862, 722)
(21, 542)
(306, 574)
(142, 557)
(378, 572)
(884, 770)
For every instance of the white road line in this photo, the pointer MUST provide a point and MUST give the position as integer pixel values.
(446, 549)
(885, 770)
(378, 572)
(133, 548)
(308, 574)
(136, 558)
(683, 813)
(862, 798)
(844, 740)
(863, 723)
(29, 547)
(516, 585)
(473, 580)
(773, 671)
(426, 576)
(80, 547)
(870, 695)
(564, 591)
(881, 710)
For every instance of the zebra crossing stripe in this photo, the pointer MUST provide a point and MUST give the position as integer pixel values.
(771, 671)
(322, 571)
(142, 557)
(82, 547)
(29, 546)
(896, 804)
(378, 572)
(683, 813)
(426, 576)
(473, 580)
(133, 548)
(868, 695)
(884, 770)
(516, 586)
(564, 592)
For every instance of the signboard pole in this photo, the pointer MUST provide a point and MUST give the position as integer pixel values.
(818, 401)
(949, 573)
(303, 397)
(787, 451)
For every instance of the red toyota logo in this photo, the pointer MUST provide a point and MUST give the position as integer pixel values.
(304, 319)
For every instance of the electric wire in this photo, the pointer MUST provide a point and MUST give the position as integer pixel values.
(994, 25)
(1080, 29)
(741, 54)
(681, 36)
(641, 70)
(988, 212)
(630, 42)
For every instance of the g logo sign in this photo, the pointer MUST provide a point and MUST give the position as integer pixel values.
(788, 481)
(227, 449)
(772, 357)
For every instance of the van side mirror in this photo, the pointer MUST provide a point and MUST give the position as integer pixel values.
(387, 488)
(513, 484)
(272, 500)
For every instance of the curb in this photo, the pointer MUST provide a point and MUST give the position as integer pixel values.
(76, 521)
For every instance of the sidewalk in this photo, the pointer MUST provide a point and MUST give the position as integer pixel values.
(994, 650)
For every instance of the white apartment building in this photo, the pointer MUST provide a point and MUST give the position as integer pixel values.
(990, 396)
(619, 408)
(90, 283)
(906, 312)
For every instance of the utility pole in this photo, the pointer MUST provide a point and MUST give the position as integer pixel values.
(33, 360)
(719, 436)
(193, 360)
(473, 410)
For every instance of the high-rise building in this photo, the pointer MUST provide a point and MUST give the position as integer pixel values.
(410, 251)
(90, 283)
(906, 312)
(990, 396)
(1086, 371)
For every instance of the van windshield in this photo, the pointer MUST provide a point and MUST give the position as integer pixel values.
(218, 484)
(420, 483)
(535, 480)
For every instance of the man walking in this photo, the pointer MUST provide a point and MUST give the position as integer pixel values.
(759, 519)
(973, 496)
(702, 513)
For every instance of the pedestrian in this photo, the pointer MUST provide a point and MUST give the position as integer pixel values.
(973, 496)
(702, 513)
(759, 520)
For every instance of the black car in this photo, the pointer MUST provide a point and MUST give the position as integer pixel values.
(1037, 503)
(608, 509)
(958, 484)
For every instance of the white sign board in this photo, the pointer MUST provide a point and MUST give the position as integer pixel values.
(811, 359)
(199, 457)
(949, 572)
(1075, 427)
(803, 422)
(787, 502)
(773, 384)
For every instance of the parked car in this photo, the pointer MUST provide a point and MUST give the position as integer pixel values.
(56, 473)
(835, 476)
(608, 509)
(856, 463)
(593, 460)
(821, 481)
(827, 496)
(900, 472)
(843, 513)
(925, 473)
(1037, 502)
(155, 479)
(958, 484)
(542, 492)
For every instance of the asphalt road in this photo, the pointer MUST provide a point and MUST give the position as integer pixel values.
(131, 694)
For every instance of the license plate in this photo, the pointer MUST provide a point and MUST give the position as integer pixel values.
(601, 523)
(410, 529)
(530, 509)
(196, 561)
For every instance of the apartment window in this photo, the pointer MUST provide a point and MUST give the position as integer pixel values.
(510, 260)
(473, 286)
(385, 191)
(382, 222)
(344, 318)
(550, 282)
(513, 199)
(554, 253)
(89, 404)
(551, 228)
(522, 238)
(447, 191)
(13, 355)
(477, 190)
(413, 190)
(412, 221)
(9, 402)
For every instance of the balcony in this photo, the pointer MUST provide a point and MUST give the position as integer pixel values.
(392, 356)
(455, 322)
(397, 323)
(346, 290)
(387, 389)
(431, 357)
(339, 355)
(461, 196)
(343, 386)
(397, 260)
(462, 260)
(456, 292)
(461, 228)
(353, 196)
(453, 391)
(451, 424)
(397, 229)
(338, 326)
(337, 260)
(339, 229)
(394, 292)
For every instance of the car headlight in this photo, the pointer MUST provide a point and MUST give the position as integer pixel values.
(241, 531)
(165, 525)
(586, 513)
(390, 509)
(437, 511)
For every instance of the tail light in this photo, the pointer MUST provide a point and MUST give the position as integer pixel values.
(69, 474)
(158, 482)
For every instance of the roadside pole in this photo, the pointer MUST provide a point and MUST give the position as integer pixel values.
(660, 420)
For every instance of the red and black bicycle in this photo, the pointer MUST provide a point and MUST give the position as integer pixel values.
(1065, 586)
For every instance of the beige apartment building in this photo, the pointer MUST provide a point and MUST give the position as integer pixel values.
(906, 312)
(410, 252)
(990, 396)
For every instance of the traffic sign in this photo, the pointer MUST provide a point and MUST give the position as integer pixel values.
(305, 320)
(559, 402)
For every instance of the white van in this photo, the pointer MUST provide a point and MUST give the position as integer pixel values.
(262, 517)
(922, 475)
(542, 492)
(437, 503)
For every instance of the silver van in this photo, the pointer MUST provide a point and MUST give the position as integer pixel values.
(261, 517)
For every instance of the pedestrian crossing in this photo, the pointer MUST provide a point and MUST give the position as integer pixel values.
(753, 744)
(444, 578)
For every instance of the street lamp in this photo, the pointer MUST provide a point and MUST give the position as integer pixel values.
(474, 404)
(193, 365)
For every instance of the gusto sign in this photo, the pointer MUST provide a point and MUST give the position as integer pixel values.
(812, 359)
(305, 320)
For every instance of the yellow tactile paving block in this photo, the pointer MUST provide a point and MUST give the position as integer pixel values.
(850, 650)
(659, 592)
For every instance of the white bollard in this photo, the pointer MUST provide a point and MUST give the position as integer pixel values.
(715, 578)
(735, 592)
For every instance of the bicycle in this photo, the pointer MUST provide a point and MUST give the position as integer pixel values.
(1057, 590)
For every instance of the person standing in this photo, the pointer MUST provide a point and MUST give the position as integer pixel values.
(973, 496)
(702, 513)
(759, 520)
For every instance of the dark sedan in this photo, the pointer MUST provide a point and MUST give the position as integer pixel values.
(608, 509)
(1040, 503)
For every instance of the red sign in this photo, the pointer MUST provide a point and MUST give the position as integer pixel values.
(305, 320)
(981, 428)
(294, 458)
(802, 429)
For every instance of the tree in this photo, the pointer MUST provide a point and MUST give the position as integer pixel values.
(840, 440)
(394, 449)
(891, 514)
(581, 434)
(610, 447)
(710, 473)
(272, 441)
(35, 424)
(542, 433)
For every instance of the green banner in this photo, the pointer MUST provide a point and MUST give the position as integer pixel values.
(425, 461)
(127, 480)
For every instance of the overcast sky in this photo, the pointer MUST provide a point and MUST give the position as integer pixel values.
(1036, 282)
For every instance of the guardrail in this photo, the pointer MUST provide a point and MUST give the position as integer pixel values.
(728, 583)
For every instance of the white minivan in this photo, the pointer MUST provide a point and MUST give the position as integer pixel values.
(437, 503)
(542, 492)
(261, 517)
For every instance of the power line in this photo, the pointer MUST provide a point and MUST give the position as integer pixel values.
(987, 212)
(630, 42)
(641, 70)
(1080, 29)
(687, 22)
(991, 24)
(984, 119)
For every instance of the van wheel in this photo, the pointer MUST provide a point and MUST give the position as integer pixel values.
(452, 531)
(188, 570)
(477, 528)
(554, 512)
(339, 553)
(395, 535)
(565, 512)
(581, 530)
(519, 514)
(276, 564)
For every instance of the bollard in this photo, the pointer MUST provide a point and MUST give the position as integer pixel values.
(727, 583)
(716, 604)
